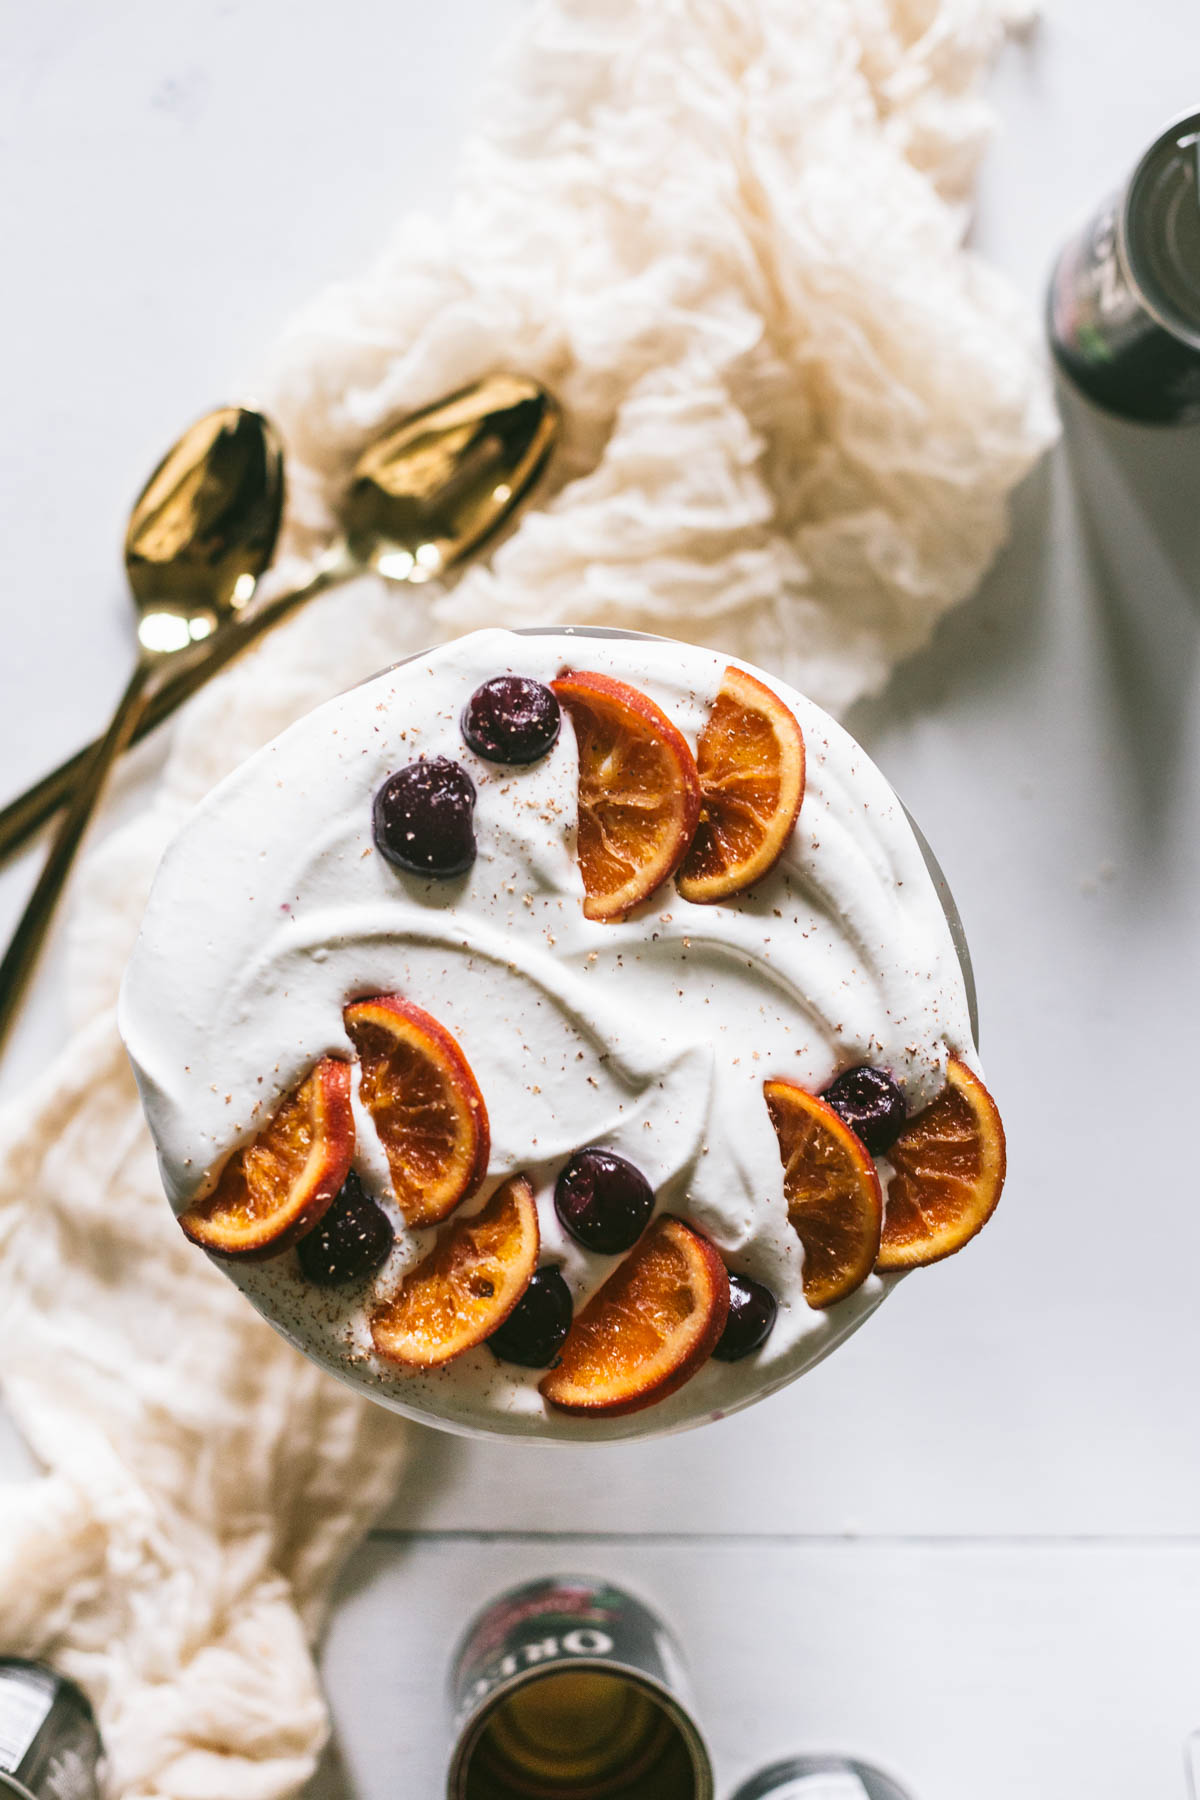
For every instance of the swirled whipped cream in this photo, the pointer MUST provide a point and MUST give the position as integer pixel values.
(652, 1036)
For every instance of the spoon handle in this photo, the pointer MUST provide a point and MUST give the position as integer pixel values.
(26, 941)
(23, 816)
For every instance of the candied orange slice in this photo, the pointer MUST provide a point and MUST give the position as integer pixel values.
(648, 1329)
(467, 1285)
(751, 763)
(832, 1191)
(418, 1088)
(949, 1171)
(278, 1187)
(639, 793)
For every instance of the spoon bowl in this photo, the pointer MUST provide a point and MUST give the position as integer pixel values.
(434, 488)
(205, 526)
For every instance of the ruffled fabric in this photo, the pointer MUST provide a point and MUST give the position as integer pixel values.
(728, 233)
(201, 1482)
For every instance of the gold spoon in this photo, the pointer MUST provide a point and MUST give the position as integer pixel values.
(421, 498)
(202, 531)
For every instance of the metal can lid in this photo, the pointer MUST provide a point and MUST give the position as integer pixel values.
(1160, 229)
(666, 1754)
(10, 1786)
(821, 1778)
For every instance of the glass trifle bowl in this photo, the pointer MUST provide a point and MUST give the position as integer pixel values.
(576, 1039)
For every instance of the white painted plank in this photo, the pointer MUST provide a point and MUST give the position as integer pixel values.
(982, 1673)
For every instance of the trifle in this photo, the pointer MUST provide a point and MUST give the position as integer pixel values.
(561, 1035)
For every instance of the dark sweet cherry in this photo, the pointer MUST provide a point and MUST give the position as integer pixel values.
(425, 818)
(511, 719)
(603, 1201)
(350, 1243)
(871, 1104)
(752, 1309)
(533, 1332)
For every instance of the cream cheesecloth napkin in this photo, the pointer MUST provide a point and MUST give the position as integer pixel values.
(728, 234)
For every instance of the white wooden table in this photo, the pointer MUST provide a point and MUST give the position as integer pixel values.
(968, 1545)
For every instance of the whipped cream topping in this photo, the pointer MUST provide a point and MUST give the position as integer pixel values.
(653, 1036)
